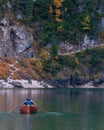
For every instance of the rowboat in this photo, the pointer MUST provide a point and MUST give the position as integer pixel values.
(28, 109)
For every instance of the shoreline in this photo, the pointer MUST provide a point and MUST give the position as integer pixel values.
(23, 84)
(40, 84)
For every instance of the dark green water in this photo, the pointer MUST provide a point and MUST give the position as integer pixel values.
(66, 109)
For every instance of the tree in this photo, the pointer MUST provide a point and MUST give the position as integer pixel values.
(54, 50)
(26, 6)
(41, 10)
(86, 23)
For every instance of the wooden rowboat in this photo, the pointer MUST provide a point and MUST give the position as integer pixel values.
(28, 109)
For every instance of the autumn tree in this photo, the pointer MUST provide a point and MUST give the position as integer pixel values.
(56, 7)
(86, 23)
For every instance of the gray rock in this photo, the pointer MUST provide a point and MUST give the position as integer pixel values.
(22, 39)
(15, 40)
(16, 84)
(29, 81)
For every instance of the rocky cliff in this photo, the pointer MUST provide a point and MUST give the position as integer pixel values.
(15, 41)
(53, 41)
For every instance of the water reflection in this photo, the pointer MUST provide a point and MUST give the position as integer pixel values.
(28, 123)
(67, 109)
(9, 98)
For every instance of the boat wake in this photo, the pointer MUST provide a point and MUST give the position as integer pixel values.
(55, 113)
(52, 114)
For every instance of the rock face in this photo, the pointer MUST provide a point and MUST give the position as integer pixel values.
(17, 84)
(15, 41)
(23, 84)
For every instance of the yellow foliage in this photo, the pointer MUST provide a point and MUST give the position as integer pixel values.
(86, 23)
(76, 60)
(61, 1)
(36, 64)
(87, 19)
(58, 12)
(58, 3)
(44, 55)
(58, 19)
(65, 9)
(50, 10)
(59, 28)
(86, 28)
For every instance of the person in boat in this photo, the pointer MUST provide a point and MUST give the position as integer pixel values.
(28, 102)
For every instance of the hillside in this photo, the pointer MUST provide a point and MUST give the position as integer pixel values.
(59, 41)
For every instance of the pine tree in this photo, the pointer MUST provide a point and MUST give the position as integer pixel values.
(27, 7)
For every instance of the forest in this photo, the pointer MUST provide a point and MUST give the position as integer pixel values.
(55, 21)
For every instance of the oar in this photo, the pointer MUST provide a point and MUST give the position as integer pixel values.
(40, 107)
(21, 103)
(14, 108)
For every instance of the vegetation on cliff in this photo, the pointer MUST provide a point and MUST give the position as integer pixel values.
(52, 22)
(59, 20)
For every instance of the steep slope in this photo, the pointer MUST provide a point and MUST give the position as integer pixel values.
(35, 37)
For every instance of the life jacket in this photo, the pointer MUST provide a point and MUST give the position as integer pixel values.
(28, 102)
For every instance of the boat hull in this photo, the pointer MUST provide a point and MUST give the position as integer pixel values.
(28, 109)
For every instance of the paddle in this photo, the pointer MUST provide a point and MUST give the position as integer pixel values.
(14, 107)
(40, 107)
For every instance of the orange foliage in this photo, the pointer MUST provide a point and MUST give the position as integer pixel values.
(4, 70)
(27, 72)
(58, 12)
(16, 76)
(50, 10)
(58, 20)
(21, 72)
(58, 5)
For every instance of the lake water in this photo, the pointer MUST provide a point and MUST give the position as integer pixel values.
(59, 109)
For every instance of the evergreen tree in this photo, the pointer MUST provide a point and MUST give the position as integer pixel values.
(29, 8)
(54, 50)
(26, 6)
